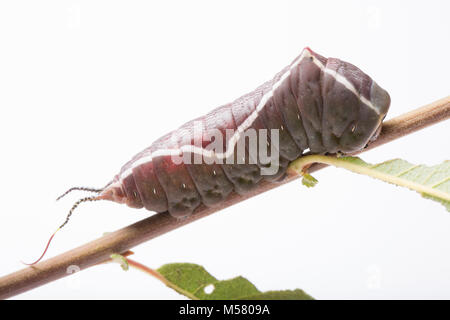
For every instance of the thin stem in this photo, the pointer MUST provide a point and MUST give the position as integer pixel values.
(120, 241)
(160, 277)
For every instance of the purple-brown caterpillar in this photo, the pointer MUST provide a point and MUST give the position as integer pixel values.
(324, 105)
(315, 105)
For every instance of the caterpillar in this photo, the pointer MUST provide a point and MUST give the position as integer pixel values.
(315, 105)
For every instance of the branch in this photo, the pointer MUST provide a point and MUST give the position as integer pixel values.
(122, 240)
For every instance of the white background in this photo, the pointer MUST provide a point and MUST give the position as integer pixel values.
(84, 85)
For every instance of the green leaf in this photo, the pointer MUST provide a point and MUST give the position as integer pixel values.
(120, 260)
(296, 294)
(431, 182)
(200, 284)
(308, 180)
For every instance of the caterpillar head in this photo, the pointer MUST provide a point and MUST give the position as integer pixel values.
(354, 107)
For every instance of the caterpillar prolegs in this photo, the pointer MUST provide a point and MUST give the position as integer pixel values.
(315, 105)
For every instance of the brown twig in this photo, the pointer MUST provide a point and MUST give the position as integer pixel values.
(122, 240)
